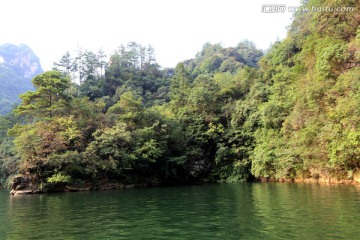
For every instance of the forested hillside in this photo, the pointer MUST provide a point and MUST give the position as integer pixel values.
(18, 65)
(229, 114)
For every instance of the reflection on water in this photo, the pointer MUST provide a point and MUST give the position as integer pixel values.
(219, 211)
(308, 211)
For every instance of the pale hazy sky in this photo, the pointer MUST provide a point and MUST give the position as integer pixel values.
(177, 29)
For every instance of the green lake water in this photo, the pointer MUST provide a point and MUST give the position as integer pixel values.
(219, 211)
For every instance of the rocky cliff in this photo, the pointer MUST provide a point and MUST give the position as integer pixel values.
(18, 65)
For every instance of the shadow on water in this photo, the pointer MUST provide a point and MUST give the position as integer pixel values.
(218, 211)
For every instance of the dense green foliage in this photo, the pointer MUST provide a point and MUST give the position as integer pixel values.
(229, 114)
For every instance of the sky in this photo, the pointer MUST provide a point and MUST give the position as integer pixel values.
(177, 29)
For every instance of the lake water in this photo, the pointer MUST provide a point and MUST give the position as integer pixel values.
(219, 211)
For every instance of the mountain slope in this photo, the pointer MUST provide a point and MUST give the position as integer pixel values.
(310, 122)
(18, 65)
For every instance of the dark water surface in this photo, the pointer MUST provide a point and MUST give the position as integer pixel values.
(219, 211)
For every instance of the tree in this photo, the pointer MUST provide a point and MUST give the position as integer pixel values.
(150, 51)
(65, 65)
(102, 63)
(180, 86)
(50, 97)
(37, 143)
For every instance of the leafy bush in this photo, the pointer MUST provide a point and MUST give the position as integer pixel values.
(59, 178)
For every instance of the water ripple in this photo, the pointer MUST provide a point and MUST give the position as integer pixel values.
(220, 211)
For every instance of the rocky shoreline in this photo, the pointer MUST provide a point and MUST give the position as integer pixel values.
(69, 188)
(29, 184)
(312, 180)
(319, 177)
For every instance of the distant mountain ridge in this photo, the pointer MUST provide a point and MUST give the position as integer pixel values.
(18, 65)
